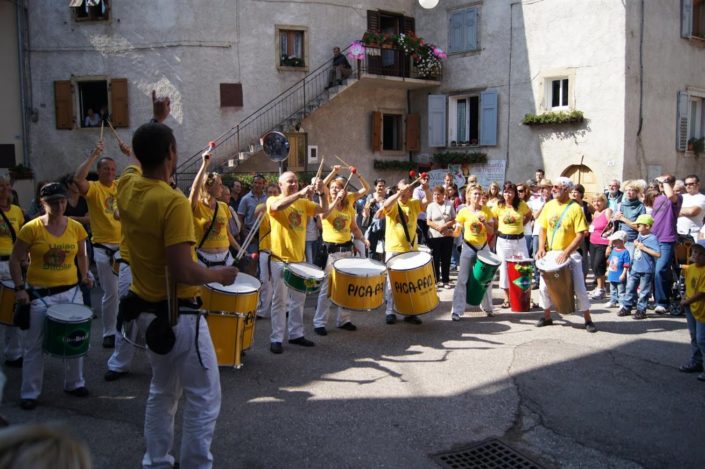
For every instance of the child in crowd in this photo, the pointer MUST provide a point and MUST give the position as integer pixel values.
(618, 261)
(694, 304)
(641, 273)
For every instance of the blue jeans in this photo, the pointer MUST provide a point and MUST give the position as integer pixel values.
(663, 277)
(455, 256)
(529, 245)
(644, 282)
(697, 337)
(311, 251)
(617, 292)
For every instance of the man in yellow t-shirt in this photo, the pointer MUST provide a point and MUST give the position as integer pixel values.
(288, 214)
(562, 228)
(694, 304)
(401, 210)
(101, 196)
(159, 234)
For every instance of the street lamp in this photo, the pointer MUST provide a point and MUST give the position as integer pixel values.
(428, 4)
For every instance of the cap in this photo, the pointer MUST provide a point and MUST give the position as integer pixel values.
(619, 234)
(644, 219)
(53, 191)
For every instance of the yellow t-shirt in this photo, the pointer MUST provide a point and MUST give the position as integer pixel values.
(218, 235)
(474, 231)
(132, 170)
(52, 258)
(265, 228)
(16, 219)
(394, 236)
(336, 226)
(695, 283)
(102, 203)
(511, 222)
(154, 216)
(573, 222)
(288, 236)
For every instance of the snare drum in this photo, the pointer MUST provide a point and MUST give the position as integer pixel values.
(559, 281)
(481, 276)
(7, 302)
(67, 330)
(239, 297)
(413, 283)
(303, 277)
(357, 284)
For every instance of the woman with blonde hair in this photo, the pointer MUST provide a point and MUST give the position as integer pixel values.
(629, 210)
(493, 194)
(598, 245)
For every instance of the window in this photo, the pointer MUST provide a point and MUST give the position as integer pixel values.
(557, 93)
(691, 117)
(462, 30)
(471, 119)
(391, 132)
(93, 102)
(292, 47)
(86, 101)
(90, 10)
(693, 18)
(395, 132)
(464, 121)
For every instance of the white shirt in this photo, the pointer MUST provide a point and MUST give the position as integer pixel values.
(439, 213)
(419, 194)
(688, 225)
(535, 203)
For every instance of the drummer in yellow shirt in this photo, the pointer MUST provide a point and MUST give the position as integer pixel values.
(562, 228)
(288, 214)
(476, 222)
(397, 239)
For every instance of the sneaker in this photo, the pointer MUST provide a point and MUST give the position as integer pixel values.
(623, 312)
(544, 322)
(691, 367)
(447, 286)
(597, 294)
(660, 309)
(455, 317)
(390, 319)
(439, 284)
(611, 304)
(640, 314)
(348, 326)
(112, 375)
(78, 392)
(276, 348)
(590, 327)
(413, 320)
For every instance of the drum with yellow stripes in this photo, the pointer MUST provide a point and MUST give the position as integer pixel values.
(413, 283)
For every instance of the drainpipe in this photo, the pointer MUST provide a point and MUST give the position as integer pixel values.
(21, 15)
(408, 111)
(509, 85)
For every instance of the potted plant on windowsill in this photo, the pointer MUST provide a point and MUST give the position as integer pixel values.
(696, 145)
(20, 171)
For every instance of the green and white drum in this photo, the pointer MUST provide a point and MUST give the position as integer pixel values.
(67, 330)
(303, 277)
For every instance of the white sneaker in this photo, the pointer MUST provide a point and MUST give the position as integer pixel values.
(660, 310)
(597, 294)
(455, 317)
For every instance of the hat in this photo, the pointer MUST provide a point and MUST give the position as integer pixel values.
(545, 183)
(620, 235)
(700, 244)
(53, 191)
(644, 219)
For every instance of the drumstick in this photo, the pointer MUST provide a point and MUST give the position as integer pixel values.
(171, 298)
(249, 237)
(348, 181)
(117, 137)
(102, 124)
(320, 168)
(341, 160)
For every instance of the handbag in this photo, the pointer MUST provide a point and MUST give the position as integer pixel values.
(608, 230)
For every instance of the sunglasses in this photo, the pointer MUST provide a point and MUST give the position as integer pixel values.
(688, 184)
(521, 190)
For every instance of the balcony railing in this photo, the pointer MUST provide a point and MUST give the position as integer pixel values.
(391, 62)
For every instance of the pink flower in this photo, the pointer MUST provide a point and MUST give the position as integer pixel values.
(438, 52)
(356, 51)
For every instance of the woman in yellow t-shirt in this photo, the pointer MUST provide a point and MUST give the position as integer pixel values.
(476, 223)
(53, 242)
(211, 218)
(512, 214)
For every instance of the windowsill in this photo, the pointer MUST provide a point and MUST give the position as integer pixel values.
(697, 41)
(91, 20)
(461, 147)
(392, 153)
(284, 68)
(465, 53)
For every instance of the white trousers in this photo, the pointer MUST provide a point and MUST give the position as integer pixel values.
(320, 319)
(32, 341)
(468, 257)
(109, 284)
(507, 248)
(582, 302)
(265, 292)
(174, 374)
(12, 347)
(281, 295)
(216, 257)
(124, 352)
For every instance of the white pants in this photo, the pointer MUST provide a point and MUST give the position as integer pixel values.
(215, 257)
(32, 341)
(323, 306)
(265, 292)
(582, 303)
(507, 248)
(109, 284)
(174, 374)
(124, 352)
(281, 294)
(468, 256)
(13, 345)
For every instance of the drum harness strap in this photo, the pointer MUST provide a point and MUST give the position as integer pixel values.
(558, 223)
(473, 247)
(210, 227)
(213, 263)
(402, 219)
(13, 235)
(332, 248)
(40, 293)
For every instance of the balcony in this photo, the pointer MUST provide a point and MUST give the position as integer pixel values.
(392, 65)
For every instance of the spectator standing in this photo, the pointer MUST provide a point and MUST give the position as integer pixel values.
(614, 195)
(598, 244)
(440, 216)
(617, 268)
(694, 304)
(641, 272)
(690, 218)
(629, 210)
(246, 210)
(235, 195)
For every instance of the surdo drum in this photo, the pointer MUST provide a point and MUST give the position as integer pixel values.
(559, 281)
(413, 283)
(357, 284)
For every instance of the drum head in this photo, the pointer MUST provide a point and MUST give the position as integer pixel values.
(69, 312)
(489, 258)
(359, 267)
(305, 270)
(409, 260)
(548, 262)
(423, 248)
(9, 284)
(244, 283)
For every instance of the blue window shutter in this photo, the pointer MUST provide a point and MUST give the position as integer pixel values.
(488, 118)
(455, 32)
(470, 29)
(686, 18)
(436, 120)
(682, 122)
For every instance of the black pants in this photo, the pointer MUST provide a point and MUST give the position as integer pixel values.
(441, 248)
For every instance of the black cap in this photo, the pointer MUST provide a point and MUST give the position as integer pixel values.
(53, 191)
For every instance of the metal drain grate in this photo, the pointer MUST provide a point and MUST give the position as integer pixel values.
(488, 454)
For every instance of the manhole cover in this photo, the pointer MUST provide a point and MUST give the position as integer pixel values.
(487, 454)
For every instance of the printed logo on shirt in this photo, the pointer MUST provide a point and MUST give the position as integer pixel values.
(294, 219)
(476, 228)
(54, 259)
(339, 223)
(509, 219)
(553, 221)
(110, 204)
(4, 230)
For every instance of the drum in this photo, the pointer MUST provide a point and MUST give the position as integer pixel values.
(423, 248)
(231, 317)
(519, 272)
(413, 283)
(7, 302)
(357, 284)
(67, 330)
(559, 282)
(303, 277)
(481, 276)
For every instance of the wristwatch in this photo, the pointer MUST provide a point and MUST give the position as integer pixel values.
(20, 288)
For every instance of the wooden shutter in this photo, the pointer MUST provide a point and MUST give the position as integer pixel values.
(436, 120)
(413, 132)
(231, 95)
(63, 104)
(455, 32)
(408, 25)
(682, 121)
(488, 118)
(686, 18)
(376, 131)
(120, 116)
(470, 29)
(374, 21)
